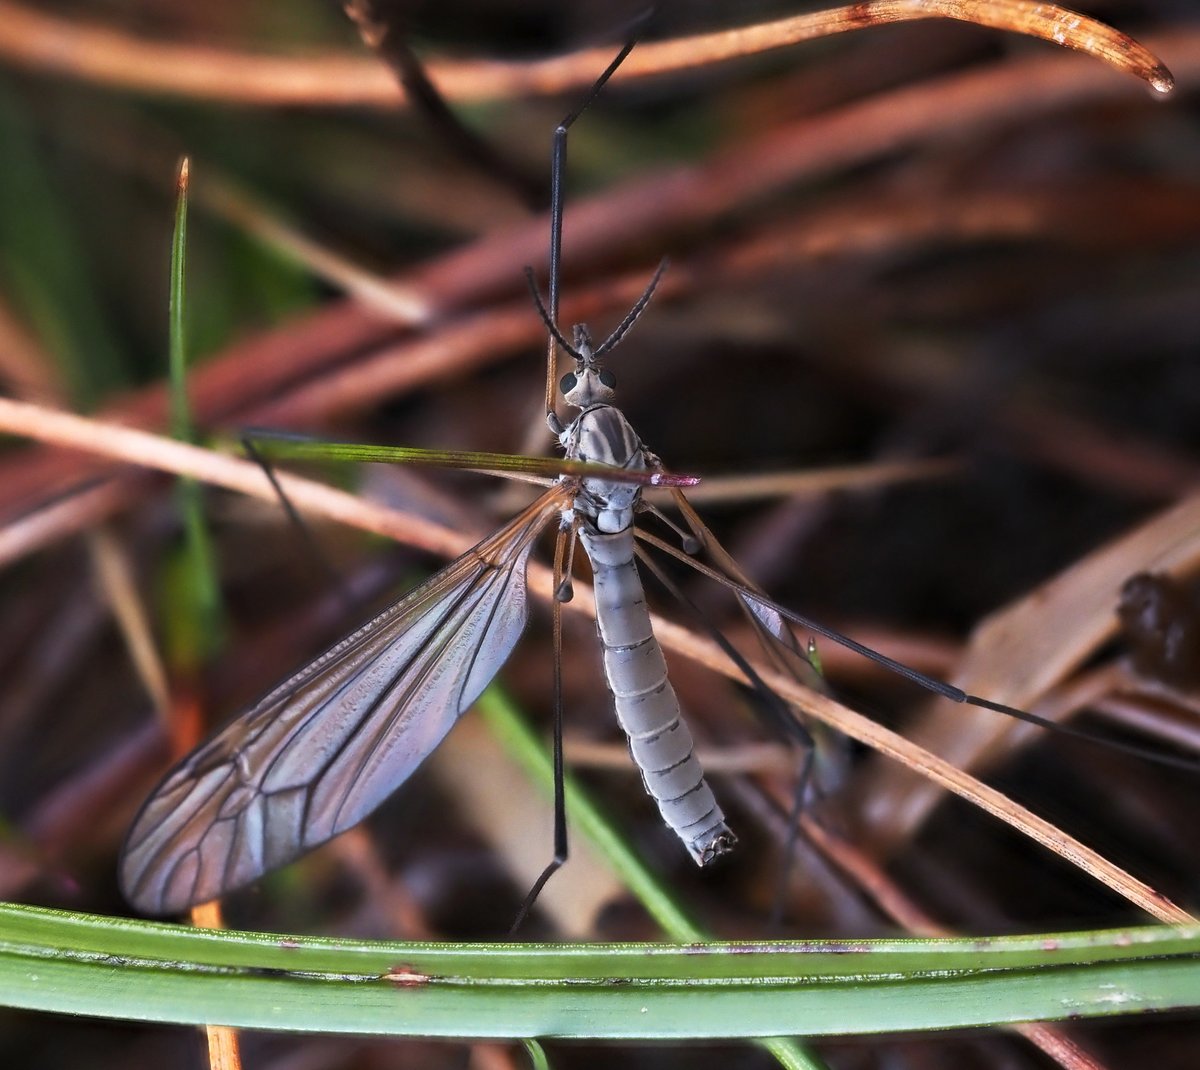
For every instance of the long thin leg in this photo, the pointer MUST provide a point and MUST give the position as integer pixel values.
(311, 545)
(799, 797)
(781, 714)
(565, 590)
(382, 28)
(765, 610)
(760, 617)
(558, 164)
(688, 542)
(560, 800)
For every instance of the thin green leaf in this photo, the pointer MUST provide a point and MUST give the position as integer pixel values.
(196, 632)
(117, 968)
(537, 1055)
(280, 447)
(181, 421)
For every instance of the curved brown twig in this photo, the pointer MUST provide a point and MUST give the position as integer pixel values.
(69, 48)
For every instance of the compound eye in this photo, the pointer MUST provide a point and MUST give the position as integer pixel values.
(568, 382)
(607, 378)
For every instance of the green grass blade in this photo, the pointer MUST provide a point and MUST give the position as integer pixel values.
(195, 633)
(181, 420)
(116, 968)
(283, 447)
(537, 1055)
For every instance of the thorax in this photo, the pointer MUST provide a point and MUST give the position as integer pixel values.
(600, 434)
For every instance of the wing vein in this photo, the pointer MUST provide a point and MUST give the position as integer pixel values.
(324, 748)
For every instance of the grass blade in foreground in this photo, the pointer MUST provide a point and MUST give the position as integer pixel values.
(115, 968)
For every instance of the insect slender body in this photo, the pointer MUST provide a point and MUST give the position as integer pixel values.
(634, 668)
(646, 707)
(321, 751)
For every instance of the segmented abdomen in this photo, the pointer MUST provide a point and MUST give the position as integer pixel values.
(646, 706)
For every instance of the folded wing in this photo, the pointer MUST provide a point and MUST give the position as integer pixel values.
(327, 746)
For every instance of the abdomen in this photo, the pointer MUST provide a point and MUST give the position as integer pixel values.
(645, 701)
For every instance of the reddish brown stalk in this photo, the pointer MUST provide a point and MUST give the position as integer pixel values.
(72, 49)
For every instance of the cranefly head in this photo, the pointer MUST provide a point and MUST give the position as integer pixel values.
(589, 383)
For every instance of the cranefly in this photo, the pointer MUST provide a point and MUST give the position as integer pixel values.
(329, 744)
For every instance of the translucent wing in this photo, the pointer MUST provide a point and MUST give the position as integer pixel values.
(327, 746)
